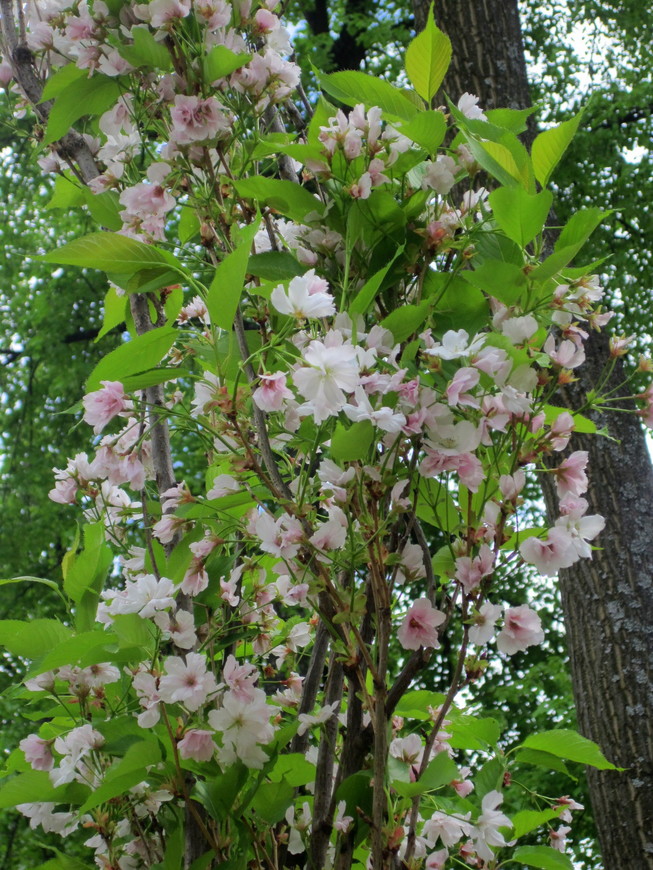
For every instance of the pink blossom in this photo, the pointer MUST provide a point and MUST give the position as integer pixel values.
(464, 380)
(468, 105)
(419, 627)
(561, 430)
(486, 831)
(223, 484)
(332, 368)
(558, 838)
(38, 752)
(198, 745)
(549, 555)
(440, 175)
(470, 572)
(195, 120)
(484, 621)
(512, 484)
(307, 296)
(447, 828)
(522, 628)
(570, 474)
(272, 392)
(243, 726)
(179, 628)
(240, 678)
(187, 682)
(195, 579)
(163, 11)
(103, 405)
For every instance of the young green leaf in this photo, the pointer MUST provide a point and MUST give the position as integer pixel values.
(83, 96)
(227, 284)
(110, 252)
(292, 200)
(350, 88)
(568, 744)
(520, 215)
(549, 147)
(543, 857)
(427, 60)
(137, 355)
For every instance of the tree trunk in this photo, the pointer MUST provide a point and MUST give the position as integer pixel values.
(607, 602)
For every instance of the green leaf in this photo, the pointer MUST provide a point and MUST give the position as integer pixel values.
(137, 355)
(427, 60)
(291, 200)
(32, 639)
(272, 799)
(352, 87)
(89, 647)
(572, 238)
(138, 757)
(543, 857)
(83, 96)
(568, 744)
(221, 62)
(407, 320)
(426, 129)
(367, 294)
(227, 284)
(218, 796)
(582, 424)
(542, 759)
(505, 281)
(60, 79)
(104, 208)
(294, 769)
(146, 51)
(520, 215)
(499, 159)
(415, 704)
(441, 771)
(352, 443)
(112, 788)
(527, 820)
(88, 569)
(468, 732)
(510, 119)
(110, 252)
(189, 224)
(115, 312)
(275, 266)
(550, 145)
(66, 194)
(27, 788)
(454, 302)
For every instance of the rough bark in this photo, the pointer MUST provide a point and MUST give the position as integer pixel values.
(607, 602)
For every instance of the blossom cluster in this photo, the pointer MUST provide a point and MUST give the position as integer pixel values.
(365, 463)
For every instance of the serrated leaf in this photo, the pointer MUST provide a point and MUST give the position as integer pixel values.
(352, 87)
(351, 443)
(534, 756)
(527, 820)
(82, 96)
(146, 51)
(104, 208)
(291, 200)
(570, 745)
(407, 320)
(110, 252)
(66, 194)
(229, 279)
(275, 266)
(427, 60)
(221, 62)
(32, 639)
(520, 215)
(549, 147)
(505, 281)
(137, 355)
(426, 129)
(441, 771)
(543, 857)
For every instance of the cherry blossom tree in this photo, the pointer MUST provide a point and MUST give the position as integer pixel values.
(363, 342)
